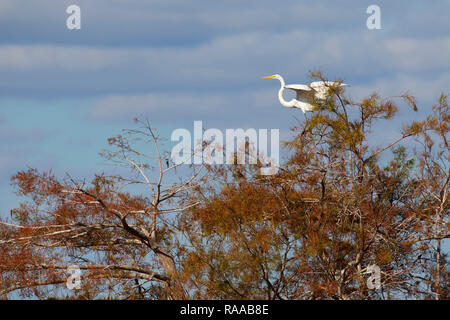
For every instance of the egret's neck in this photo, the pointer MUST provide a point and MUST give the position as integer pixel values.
(280, 94)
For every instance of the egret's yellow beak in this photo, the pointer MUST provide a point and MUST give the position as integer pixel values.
(268, 77)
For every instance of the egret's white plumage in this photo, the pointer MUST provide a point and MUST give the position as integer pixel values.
(320, 90)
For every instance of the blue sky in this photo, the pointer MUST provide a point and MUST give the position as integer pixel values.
(63, 92)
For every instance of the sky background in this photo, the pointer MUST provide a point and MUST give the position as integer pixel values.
(64, 92)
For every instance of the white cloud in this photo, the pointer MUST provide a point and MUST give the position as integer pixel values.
(218, 73)
(6, 7)
(419, 54)
(40, 57)
(156, 105)
(427, 89)
(239, 55)
(179, 105)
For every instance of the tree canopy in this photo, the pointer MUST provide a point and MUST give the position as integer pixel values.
(337, 206)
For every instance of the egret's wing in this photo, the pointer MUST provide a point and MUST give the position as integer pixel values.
(302, 91)
(322, 88)
(318, 85)
(298, 87)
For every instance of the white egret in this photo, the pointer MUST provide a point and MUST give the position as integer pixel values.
(317, 89)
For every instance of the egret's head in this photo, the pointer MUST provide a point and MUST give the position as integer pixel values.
(275, 76)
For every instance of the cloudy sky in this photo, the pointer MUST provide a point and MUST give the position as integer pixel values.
(63, 92)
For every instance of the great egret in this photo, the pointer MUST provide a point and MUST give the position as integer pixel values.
(317, 89)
